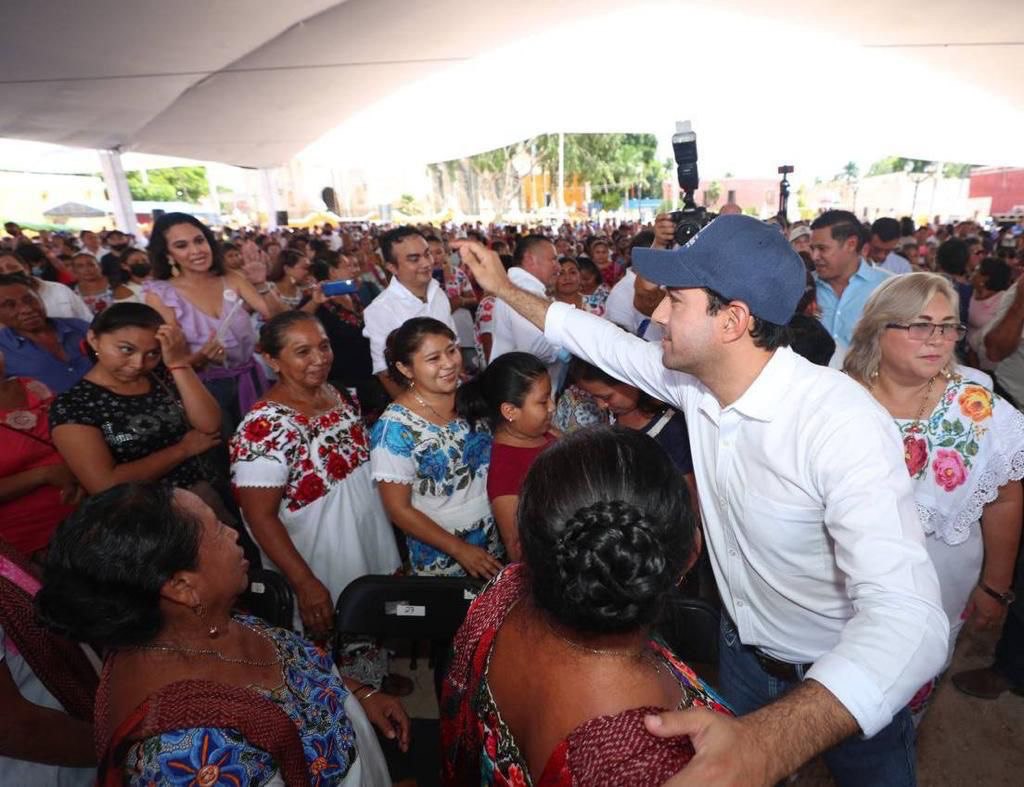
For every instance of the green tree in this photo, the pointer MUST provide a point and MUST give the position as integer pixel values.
(167, 185)
(408, 205)
(850, 172)
(610, 163)
(712, 193)
(951, 170)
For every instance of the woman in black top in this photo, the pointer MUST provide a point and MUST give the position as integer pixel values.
(131, 417)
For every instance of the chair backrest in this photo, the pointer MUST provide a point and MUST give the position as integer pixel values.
(405, 607)
(689, 626)
(270, 597)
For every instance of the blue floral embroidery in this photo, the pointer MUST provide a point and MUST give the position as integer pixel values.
(210, 760)
(397, 438)
(434, 464)
(314, 700)
(477, 451)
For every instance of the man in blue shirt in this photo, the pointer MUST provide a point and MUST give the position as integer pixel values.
(33, 345)
(844, 280)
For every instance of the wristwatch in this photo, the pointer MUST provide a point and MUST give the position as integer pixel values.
(1005, 599)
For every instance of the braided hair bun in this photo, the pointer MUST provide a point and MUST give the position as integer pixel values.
(606, 529)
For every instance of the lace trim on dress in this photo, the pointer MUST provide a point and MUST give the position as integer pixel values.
(391, 478)
(998, 471)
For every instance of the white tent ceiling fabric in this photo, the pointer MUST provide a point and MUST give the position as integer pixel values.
(254, 82)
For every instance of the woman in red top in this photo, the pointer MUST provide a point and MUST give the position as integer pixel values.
(513, 396)
(37, 490)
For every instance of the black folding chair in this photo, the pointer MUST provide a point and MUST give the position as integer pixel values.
(412, 608)
(405, 607)
(689, 626)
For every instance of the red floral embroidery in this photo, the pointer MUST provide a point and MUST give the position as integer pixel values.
(257, 429)
(310, 488)
(915, 453)
(337, 465)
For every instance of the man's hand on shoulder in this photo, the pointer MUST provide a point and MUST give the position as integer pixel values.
(726, 755)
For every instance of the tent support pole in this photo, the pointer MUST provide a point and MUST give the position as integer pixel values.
(267, 196)
(117, 189)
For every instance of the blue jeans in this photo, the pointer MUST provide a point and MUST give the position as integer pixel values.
(884, 760)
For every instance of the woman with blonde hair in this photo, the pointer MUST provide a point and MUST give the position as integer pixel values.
(963, 444)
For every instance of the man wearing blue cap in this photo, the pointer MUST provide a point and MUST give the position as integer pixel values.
(833, 617)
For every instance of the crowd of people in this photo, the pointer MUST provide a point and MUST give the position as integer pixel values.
(585, 415)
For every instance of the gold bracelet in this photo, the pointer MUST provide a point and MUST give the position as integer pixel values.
(368, 694)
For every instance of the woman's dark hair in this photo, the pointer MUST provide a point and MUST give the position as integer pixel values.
(274, 330)
(606, 529)
(321, 269)
(507, 378)
(108, 561)
(586, 265)
(288, 258)
(158, 249)
(998, 276)
(123, 315)
(403, 342)
(581, 371)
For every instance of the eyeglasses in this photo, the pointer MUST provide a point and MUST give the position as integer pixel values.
(923, 331)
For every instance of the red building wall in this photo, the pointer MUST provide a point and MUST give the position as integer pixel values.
(1004, 186)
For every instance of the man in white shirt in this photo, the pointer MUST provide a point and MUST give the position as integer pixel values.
(833, 616)
(413, 292)
(535, 267)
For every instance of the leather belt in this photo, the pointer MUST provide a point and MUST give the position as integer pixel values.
(782, 670)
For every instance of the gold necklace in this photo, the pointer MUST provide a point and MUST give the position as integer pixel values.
(161, 647)
(423, 402)
(915, 427)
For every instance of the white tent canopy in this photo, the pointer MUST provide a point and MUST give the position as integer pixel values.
(253, 82)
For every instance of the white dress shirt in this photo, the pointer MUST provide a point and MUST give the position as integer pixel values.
(396, 305)
(514, 333)
(809, 518)
(62, 301)
(619, 309)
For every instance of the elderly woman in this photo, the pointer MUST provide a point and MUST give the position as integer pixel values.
(300, 463)
(554, 668)
(58, 299)
(93, 287)
(964, 445)
(47, 349)
(193, 291)
(188, 689)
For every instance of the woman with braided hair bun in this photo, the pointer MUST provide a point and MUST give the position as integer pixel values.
(554, 667)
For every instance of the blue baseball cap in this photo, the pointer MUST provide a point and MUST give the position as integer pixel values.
(740, 258)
